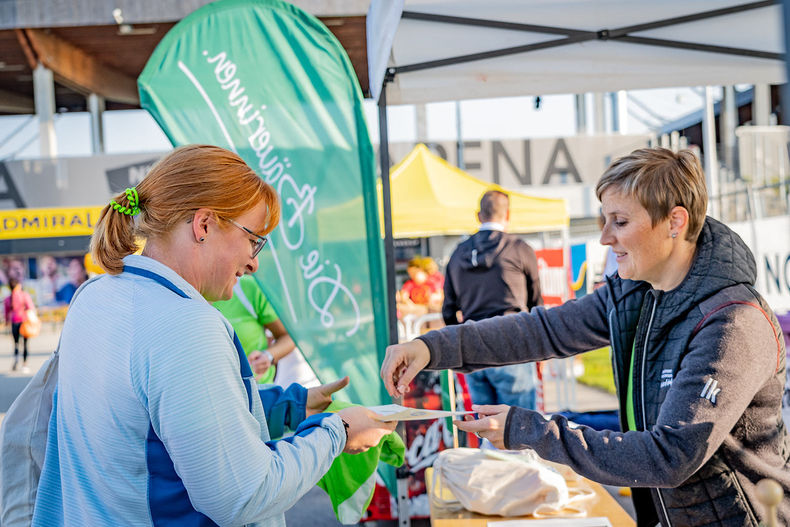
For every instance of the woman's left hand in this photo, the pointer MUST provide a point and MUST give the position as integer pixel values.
(490, 425)
(318, 398)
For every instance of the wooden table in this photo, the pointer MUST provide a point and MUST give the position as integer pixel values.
(604, 506)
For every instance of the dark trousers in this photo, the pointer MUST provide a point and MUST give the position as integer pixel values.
(15, 333)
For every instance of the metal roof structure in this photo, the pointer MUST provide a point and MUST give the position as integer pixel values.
(101, 46)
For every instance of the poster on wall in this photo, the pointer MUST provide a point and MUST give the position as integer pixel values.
(50, 280)
(555, 276)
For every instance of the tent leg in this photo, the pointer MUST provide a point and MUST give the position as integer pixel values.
(402, 473)
(389, 245)
(786, 86)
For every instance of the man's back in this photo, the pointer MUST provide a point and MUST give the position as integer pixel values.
(490, 274)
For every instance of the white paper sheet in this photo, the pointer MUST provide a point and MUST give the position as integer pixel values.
(396, 412)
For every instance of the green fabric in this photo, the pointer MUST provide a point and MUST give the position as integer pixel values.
(351, 479)
(629, 401)
(249, 329)
(272, 83)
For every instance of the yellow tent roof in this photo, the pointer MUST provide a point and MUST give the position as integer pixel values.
(431, 197)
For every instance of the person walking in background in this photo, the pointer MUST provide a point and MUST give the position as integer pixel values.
(494, 273)
(698, 357)
(17, 306)
(251, 315)
(156, 418)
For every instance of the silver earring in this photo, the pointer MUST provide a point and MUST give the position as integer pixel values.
(203, 239)
(674, 235)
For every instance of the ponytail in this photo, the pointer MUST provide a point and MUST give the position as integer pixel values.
(114, 236)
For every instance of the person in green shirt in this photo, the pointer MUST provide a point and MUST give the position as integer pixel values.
(251, 314)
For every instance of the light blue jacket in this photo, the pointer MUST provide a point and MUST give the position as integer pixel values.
(153, 424)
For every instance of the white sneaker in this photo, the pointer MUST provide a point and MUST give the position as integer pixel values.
(25, 369)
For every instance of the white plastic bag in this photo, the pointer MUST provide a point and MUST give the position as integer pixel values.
(504, 484)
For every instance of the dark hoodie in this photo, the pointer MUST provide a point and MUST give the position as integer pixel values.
(490, 274)
(709, 372)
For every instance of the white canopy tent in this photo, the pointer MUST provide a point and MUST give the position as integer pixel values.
(440, 50)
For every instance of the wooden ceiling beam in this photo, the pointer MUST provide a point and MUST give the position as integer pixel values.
(14, 103)
(30, 56)
(79, 70)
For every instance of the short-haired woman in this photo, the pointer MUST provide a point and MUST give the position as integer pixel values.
(699, 361)
(156, 418)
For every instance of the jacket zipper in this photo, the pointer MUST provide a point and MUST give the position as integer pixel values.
(614, 359)
(642, 402)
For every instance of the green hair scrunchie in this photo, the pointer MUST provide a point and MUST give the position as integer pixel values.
(133, 209)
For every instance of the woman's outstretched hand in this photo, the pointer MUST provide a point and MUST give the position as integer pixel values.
(364, 430)
(490, 423)
(402, 363)
(319, 397)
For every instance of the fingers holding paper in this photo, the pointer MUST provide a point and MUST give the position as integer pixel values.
(402, 363)
(364, 429)
(489, 425)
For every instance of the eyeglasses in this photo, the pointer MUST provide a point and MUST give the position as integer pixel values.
(257, 244)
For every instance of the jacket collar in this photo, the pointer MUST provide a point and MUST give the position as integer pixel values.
(155, 266)
(491, 226)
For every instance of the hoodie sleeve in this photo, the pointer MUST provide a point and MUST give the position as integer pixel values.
(576, 326)
(732, 357)
(450, 302)
(530, 266)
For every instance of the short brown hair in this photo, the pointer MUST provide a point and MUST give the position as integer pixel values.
(661, 180)
(493, 205)
(189, 178)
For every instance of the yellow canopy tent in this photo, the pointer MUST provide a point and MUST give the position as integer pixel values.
(431, 197)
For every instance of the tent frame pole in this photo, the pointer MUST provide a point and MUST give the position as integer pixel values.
(389, 242)
(573, 36)
(786, 86)
(402, 473)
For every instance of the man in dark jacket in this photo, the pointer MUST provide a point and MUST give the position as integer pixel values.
(494, 273)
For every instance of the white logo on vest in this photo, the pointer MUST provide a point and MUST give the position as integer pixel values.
(710, 391)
